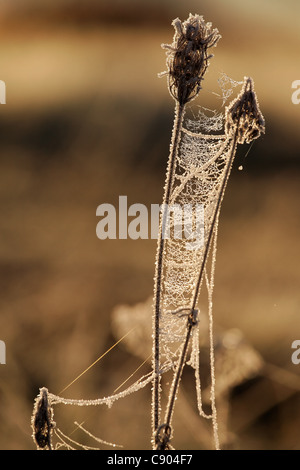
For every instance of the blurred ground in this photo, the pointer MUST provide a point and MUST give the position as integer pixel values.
(87, 120)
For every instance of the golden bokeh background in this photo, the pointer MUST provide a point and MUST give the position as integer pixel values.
(86, 119)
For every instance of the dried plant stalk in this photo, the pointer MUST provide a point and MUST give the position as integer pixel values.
(187, 61)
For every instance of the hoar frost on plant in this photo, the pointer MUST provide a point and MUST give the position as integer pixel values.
(201, 156)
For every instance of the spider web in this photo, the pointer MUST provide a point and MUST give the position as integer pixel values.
(200, 176)
(201, 168)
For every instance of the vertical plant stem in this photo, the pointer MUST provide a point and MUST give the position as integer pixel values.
(177, 377)
(178, 119)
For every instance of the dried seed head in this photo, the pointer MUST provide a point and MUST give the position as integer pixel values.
(244, 116)
(187, 58)
(42, 421)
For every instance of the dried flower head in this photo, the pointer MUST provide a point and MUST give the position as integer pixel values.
(42, 421)
(187, 57)
(244, 116)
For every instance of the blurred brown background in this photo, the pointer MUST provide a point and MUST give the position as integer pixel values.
(86, 120)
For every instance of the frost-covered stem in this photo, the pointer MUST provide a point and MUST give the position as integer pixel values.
(187, 61)
(178, 119)
(177, 376)
(191, 319)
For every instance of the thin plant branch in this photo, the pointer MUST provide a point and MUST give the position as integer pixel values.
(187, 62)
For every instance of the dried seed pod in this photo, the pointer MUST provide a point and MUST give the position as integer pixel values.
(244, 116)
(187, 57)
(42, 421)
